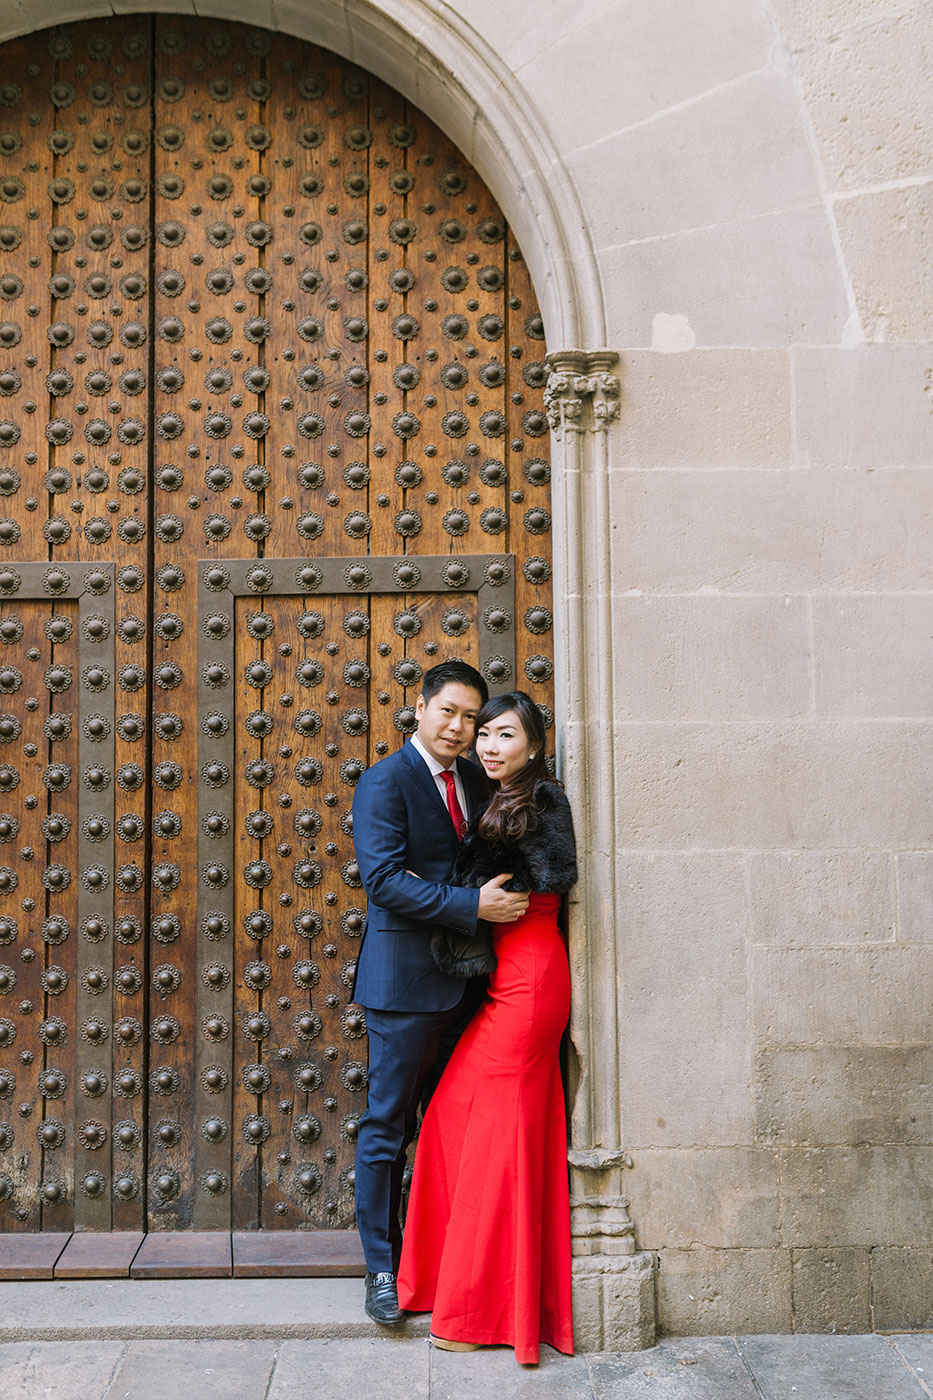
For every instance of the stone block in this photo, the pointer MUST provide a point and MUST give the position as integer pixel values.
(702, 1368)
(326, 25)
(711, 1292)
(845, 1094)
(685, 914)
(873, 656)
(864, 408)
(870, 101)
(915, 896)
(213, 1370)
(884, 238)
(614, 1301)
(771, 280)
(803, 22)
(849, 996)
(917, 1351)
(735, 152)
(841, 783)
(771, 531)
(721, 1197)
(710, 658)
(523, 28)
(837, 1196)
(58, 1370)
(814, 897)
(902, 1292)
(816, 1368)
(831, 1290)
(711, 408)
(391, 1368)
(258, 13)
(640, 60)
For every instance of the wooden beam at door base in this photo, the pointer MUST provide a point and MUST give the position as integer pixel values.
(297, 1254)
(184, 1254)
(98, 1255)
(30, 1256)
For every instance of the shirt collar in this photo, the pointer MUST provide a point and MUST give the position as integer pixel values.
(434, 764)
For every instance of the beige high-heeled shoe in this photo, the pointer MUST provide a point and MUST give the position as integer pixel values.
(443, 1344)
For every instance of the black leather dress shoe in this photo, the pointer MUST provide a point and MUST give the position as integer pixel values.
(382, 1299)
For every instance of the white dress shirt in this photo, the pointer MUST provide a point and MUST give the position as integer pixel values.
(436, 769)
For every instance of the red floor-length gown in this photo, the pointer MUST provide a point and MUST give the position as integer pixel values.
(487, 1235)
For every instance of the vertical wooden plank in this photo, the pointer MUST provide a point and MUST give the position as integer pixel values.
(530, 493)
(210, 426)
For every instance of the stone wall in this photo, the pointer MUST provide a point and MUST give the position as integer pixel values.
(758, 189)
(746, 191)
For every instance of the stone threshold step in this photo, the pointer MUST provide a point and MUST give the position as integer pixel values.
(124, 1309)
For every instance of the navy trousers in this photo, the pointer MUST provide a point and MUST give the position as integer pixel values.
(407, 1054)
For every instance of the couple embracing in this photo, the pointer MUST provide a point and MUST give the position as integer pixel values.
(463, 973)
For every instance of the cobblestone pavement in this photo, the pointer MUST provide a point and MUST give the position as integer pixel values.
(371, 1368)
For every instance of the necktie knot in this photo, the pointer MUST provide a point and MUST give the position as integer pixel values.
(453, 806)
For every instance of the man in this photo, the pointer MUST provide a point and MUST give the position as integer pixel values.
(409, 811)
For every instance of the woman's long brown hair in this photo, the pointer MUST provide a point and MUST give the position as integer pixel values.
(514, 810)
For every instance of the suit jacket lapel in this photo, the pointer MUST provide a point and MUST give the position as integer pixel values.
(425, 780)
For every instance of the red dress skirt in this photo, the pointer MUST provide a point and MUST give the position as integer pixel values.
(487, 1235)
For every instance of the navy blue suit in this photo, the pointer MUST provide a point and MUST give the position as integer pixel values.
(414, 1012)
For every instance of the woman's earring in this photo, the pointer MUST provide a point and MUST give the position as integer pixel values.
(531, 756)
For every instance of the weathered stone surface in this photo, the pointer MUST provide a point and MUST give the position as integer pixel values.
(725, 1198)
(766, 531)
(58, 1370)
(831, 1290)
(685, 913)
(864, 408)
(711, 658)
(641, 60)
(708, 1368)
(872, 656)
(846, 1094)
(213, 1370)
(708, 1292)
(762, 164)
(715, 785)
(348, 1369)
(476, 1375)
(852, 996)
(826, 1366)
(868, 96)
(883, 238)
(917, 1352)
(711, 408)
(774, 279)
(835, 1196)
(812, 897)
(915, 896)
(613, 1301)
(805, 21)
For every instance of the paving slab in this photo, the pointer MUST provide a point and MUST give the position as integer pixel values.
(917, 1351)
(494, 1372)
(829, 1368)
(695, 1368)
(186, 1309)
(387, 1369)
(208, 1370)
(58, 1370)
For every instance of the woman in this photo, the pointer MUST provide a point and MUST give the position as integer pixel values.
(487, 1235)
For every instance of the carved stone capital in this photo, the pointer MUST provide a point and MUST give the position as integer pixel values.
(581, 392)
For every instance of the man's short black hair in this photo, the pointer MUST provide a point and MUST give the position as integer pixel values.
(453, 673)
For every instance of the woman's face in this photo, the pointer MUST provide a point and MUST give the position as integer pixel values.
(502, 747)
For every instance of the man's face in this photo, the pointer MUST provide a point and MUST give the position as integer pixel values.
(447, 721)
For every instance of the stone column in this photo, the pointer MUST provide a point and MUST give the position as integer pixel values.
(614, 1301)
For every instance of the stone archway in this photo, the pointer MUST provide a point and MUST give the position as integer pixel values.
(481, 109)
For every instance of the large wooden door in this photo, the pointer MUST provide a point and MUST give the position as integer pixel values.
(272, 442)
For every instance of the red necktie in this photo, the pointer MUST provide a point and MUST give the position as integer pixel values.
(453, 806)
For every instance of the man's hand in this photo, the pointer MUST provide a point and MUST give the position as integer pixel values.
(499, 906)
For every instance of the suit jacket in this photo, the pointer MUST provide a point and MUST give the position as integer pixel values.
(401, 823)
